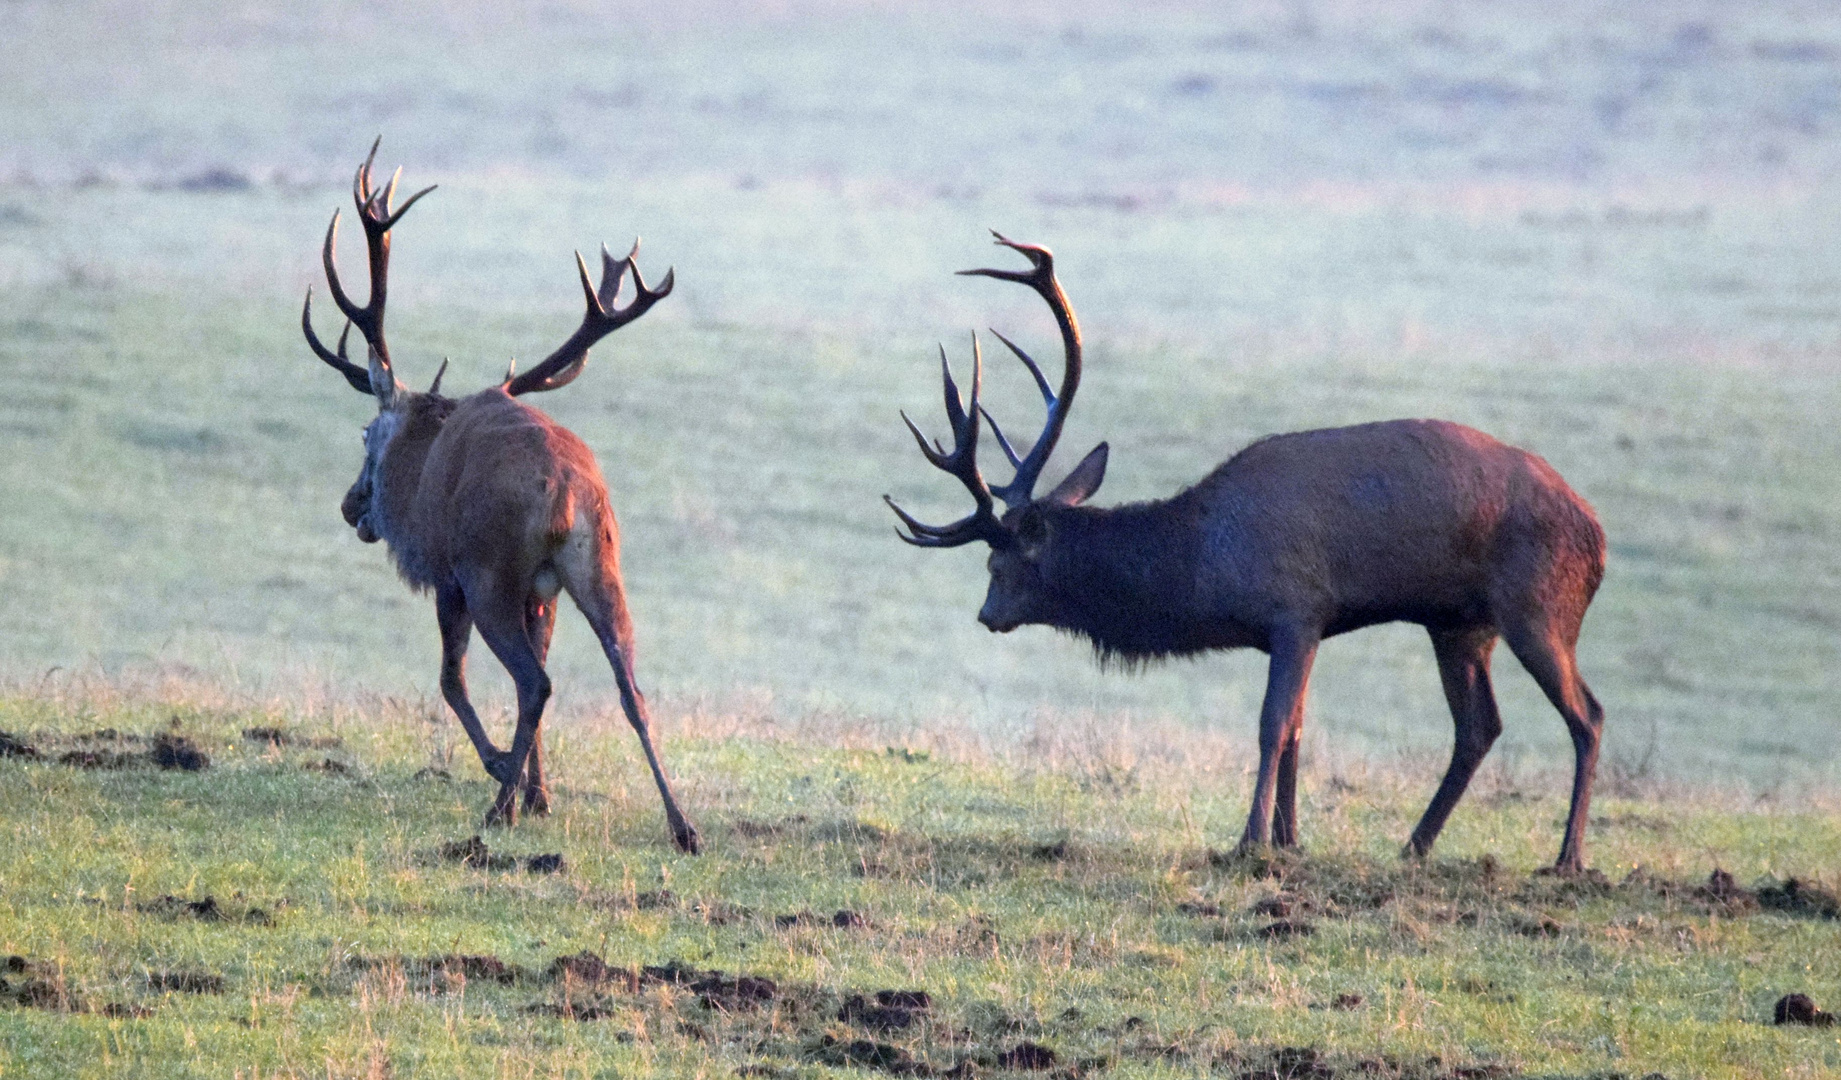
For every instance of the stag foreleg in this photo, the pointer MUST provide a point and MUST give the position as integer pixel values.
(539, 625)
(1463, 667)
(456, 630)
(1281, 722)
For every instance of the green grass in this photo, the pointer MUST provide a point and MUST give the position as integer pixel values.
(1064, 892)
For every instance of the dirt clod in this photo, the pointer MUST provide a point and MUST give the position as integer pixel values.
(904, 999)
(473, 853)
(1027, 1055)
(845, 919)
(13, 746)
(1054, 852)
(329, 766)
(1199, 909)
(714, 989)
(274, 736)
(1797, 897)
(1291, 1063)
(185, 982)
(42, 994)
(1723, 892)
(1278, 906)
(172, 751)
(1800, 1009)
(552, 863)
(1348, 1002)
(876, 1016)
(1286, 928)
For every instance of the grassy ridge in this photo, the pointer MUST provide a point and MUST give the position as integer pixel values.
(1060, 894)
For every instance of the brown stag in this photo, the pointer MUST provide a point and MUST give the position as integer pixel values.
(493, 506)
(1295, 539)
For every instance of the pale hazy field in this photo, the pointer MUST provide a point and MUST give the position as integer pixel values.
(1605, 236)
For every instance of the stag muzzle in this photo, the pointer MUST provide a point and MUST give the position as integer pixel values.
(356, 508)
(997, 620)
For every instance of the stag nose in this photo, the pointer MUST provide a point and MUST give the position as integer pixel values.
(996, 624)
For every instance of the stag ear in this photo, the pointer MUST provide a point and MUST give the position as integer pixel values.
(383, 381)
(1080, 484)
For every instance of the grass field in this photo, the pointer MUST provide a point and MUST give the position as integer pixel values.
(1061, 903)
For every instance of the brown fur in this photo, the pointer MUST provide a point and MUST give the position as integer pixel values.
(495, 508)
(1295, 539)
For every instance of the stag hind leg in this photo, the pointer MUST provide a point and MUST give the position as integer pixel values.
(1545, 644)
(1463, 666)
(539, 625)
(456, 628)
(501, 622)
(603, 604)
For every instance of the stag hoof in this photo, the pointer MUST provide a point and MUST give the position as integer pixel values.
(684, 835)
(537, 801)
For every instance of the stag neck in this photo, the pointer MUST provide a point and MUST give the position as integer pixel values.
(1124, 578)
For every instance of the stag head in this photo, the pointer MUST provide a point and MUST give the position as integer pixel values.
(1021, 540)
(400, 409)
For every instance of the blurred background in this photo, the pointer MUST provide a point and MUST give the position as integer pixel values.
(1603, 232)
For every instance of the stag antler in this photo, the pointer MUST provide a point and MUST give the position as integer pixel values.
(1040, 277)
(982, 523)
(602, 318)
(378, 218)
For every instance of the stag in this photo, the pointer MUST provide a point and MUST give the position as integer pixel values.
(1294, 539)
(493, 506)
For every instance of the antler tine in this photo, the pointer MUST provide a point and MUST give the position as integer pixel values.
(982, 523)
(1002, 441)
(601, 318)
(1048, 394)
(357, 376)
(375, 213)
(1040, 277)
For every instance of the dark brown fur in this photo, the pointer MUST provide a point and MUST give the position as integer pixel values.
(1299, 538)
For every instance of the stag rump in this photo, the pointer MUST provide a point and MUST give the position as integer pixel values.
(494, 507)
(1295, 539)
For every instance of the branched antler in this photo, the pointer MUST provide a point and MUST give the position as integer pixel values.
(601, 319)
(375, 212)
(983, 523)
(1041, 278)
(962, 462)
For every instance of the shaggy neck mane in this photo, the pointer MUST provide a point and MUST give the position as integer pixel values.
(399, 475)
(1124, 577)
